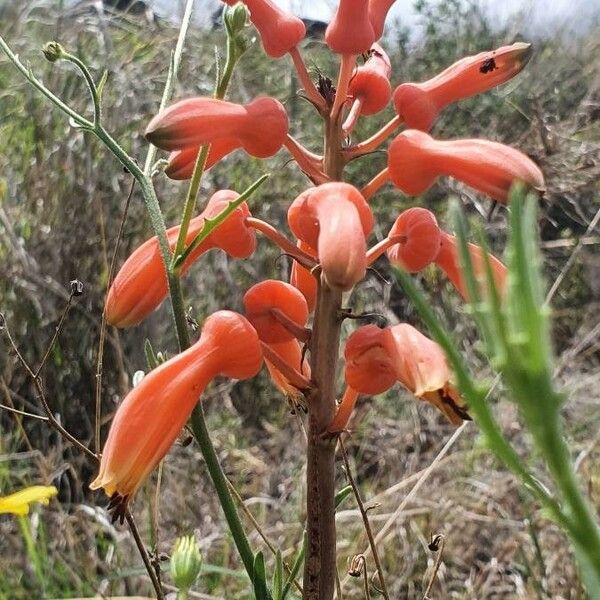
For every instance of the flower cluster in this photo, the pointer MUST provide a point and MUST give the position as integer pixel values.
(331, 223)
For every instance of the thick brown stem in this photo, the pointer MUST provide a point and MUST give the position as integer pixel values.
(319, 568)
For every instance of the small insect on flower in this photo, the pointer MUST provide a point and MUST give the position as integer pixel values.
(489, 64)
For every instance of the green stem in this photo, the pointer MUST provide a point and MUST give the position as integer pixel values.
(202, 436)
(90, 83)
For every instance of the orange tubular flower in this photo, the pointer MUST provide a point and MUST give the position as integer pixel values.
(260, 126)
(377, 358)
(422, 239)
(370, 85)
(350, 31)
(182, 162)
(416, 160)
(448, 259)
(279, 31)
(277, 310)
(303, 279)
(334, 220)
(378, 10)
(419, 104)
(152, 415)
(141, 284)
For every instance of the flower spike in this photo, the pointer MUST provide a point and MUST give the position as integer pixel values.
(141, 285)
(416, 160)
(260, 126)
(334, 220)
(419, 104)
(152, 415)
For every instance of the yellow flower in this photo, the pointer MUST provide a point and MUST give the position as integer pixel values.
(18, 503)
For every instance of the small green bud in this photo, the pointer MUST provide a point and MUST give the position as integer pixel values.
(53, 51)
(186, 562)
(236, 18)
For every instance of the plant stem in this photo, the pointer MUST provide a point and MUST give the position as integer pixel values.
(219, 480)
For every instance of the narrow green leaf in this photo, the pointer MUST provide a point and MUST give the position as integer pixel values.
(102, 83)
(211, 224)
(295, 568)
(342, 495)
(259, 579)
(277, 581)
(151, 359)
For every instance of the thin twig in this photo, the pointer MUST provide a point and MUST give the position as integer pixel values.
(23, 413)
(99, 364)
(260, 532)
(57, 331)
(365, 518)
(437, 545)
(144, 554)
(593, 223)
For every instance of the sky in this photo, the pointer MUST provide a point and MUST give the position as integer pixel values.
(540, 16)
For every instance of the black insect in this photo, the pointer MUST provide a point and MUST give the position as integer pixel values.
(489, 65)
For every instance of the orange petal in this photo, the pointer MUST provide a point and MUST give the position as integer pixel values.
(350, 30)
(152, 415)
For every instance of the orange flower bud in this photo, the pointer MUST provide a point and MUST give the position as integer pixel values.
(303, 279)
(376, 358)
(419, 104)
(279, 31)
(291, 353)
(416, 160)
(265, 301)
(378, 10)
(260, 126)
(371, 82)
(350, 31)
(152, 415)
(141, 284)
(448, 259)
(182, 162)
(334, 220)
(422, 239)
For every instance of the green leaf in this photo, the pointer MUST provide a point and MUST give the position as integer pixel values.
(259, 579)
(151, 359)
(277, 581)
(295, 568)
(211, 224)
(342, 495)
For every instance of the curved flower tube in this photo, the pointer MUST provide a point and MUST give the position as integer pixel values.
(377, 358)
(448, 259)
(350, 30)
(378, 10)
(141, 284)
(152, 415)
(422, 239)
(416, 160)
(279, 31)
(260, 126)
(334, 220)
(370, 85)
(182, 162)
(419, 104)
(277, 310)
(303, 279)
(290, 352)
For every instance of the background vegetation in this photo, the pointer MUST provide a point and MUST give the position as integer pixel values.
(61, 202)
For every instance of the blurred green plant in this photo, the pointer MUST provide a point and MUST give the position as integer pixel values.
(515, 331)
